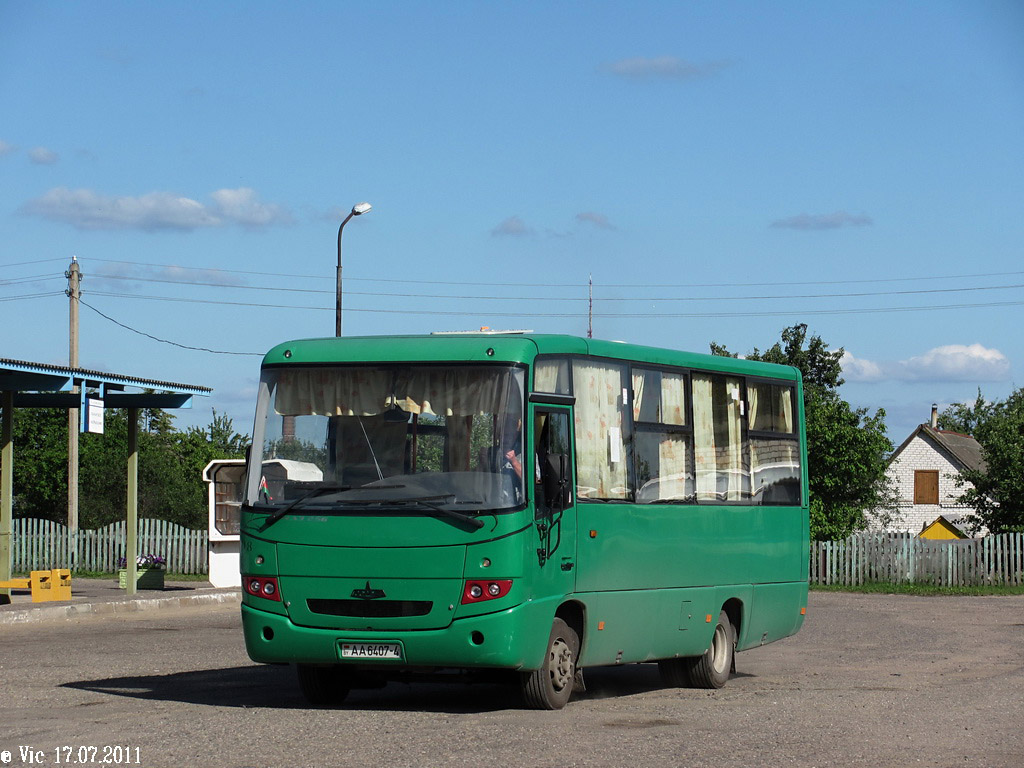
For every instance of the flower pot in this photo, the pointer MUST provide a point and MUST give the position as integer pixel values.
(145, 578)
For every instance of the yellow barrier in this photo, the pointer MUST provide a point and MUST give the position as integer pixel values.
(49, 585)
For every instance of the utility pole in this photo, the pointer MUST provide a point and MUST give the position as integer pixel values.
(74, 292)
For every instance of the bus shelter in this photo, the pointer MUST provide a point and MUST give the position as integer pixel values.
(37, 385)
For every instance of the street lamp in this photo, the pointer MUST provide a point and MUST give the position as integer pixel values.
(357, 210)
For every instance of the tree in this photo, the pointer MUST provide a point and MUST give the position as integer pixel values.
(963, 418)
(847, 447)
(41, 463)
(170, 466)
(997, 495)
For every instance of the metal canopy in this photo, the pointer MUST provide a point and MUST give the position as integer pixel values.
(38, 385)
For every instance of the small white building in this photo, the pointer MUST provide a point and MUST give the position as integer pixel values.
(925, 468)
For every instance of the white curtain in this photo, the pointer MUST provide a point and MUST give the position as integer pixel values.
(719, 457)
(673, 399)
(332, 391)
(551, 376)
(600, 448)
(704, 463)
(639, 376)
(771, 407)
(368, 391)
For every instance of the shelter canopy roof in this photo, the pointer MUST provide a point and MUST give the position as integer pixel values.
(50, 386)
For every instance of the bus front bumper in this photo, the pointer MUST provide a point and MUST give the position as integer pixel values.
(515, 638)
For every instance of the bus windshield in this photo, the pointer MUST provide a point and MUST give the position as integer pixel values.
(373, 436)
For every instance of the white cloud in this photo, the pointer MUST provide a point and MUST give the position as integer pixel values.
(856, 369)
(952, 362)
(599, 220)
(90, 210)
(956, 362)
(5, 148)
(823, 221)
(43, 156)
(663, 68)
(242, 206)
(86, 209)
(513, 226)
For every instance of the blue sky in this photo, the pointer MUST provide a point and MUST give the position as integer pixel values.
(722, 170)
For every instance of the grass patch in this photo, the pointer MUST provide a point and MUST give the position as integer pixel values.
(924, 590)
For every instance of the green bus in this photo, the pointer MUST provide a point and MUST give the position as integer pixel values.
(519, 503)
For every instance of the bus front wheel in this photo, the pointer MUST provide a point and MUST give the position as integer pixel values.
(323, 686)
(551, 686)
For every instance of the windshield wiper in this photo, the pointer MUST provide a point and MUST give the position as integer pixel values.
(461, 517)
(318, 491)
(426, 501)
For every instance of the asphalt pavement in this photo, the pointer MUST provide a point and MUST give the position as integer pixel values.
(104, 597)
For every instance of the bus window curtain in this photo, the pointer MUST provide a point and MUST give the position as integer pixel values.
(720, 460)
(601, 456)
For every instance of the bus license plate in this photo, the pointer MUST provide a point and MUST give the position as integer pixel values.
(371, 651)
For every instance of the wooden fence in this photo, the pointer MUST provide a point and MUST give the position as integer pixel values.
(906, 559)
(43, 544)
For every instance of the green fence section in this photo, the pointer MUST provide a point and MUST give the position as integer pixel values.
(906, 559)
(43, 544)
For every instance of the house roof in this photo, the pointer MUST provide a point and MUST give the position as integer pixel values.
(963, 449)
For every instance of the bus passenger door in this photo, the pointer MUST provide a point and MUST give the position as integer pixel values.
(554, 498)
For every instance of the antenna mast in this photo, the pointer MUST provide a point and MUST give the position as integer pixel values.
(590, 310)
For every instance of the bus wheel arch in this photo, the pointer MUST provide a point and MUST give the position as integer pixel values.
(573, 613)
(734, 610)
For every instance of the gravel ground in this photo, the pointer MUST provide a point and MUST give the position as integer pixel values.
(871, 680)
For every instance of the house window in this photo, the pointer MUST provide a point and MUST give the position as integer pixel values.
(926, 486)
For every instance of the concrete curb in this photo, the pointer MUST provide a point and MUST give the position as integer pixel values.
(115, 608)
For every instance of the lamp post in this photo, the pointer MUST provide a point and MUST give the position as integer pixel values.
(357, 210)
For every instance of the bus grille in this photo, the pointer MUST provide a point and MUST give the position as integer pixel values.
(370, 609)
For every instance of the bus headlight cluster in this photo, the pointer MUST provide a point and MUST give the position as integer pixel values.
(476, 591)
(262, 586)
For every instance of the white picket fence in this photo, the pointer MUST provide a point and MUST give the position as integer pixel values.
(906, 559)
(43, 544)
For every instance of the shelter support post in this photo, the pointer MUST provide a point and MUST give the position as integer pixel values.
(132, 543)
(6, 490)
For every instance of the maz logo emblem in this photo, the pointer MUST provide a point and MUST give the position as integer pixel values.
(367, 593)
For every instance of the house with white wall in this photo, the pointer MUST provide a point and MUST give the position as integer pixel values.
(924, 469)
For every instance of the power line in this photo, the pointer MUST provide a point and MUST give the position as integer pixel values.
(651, 315)
(22, 263)
(915, 278)
(858, 294)
(32, 296)
(30, 278)
(166, 341)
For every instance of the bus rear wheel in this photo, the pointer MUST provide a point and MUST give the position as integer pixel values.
(711, 670)
(551, 686)
(324, 686)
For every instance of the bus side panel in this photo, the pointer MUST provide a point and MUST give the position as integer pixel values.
(644, 546)
(643, 625)
(776, 611)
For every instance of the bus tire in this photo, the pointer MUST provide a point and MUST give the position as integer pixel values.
(675, 672)
(551, 686)
(323, 686)
(711, 670)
